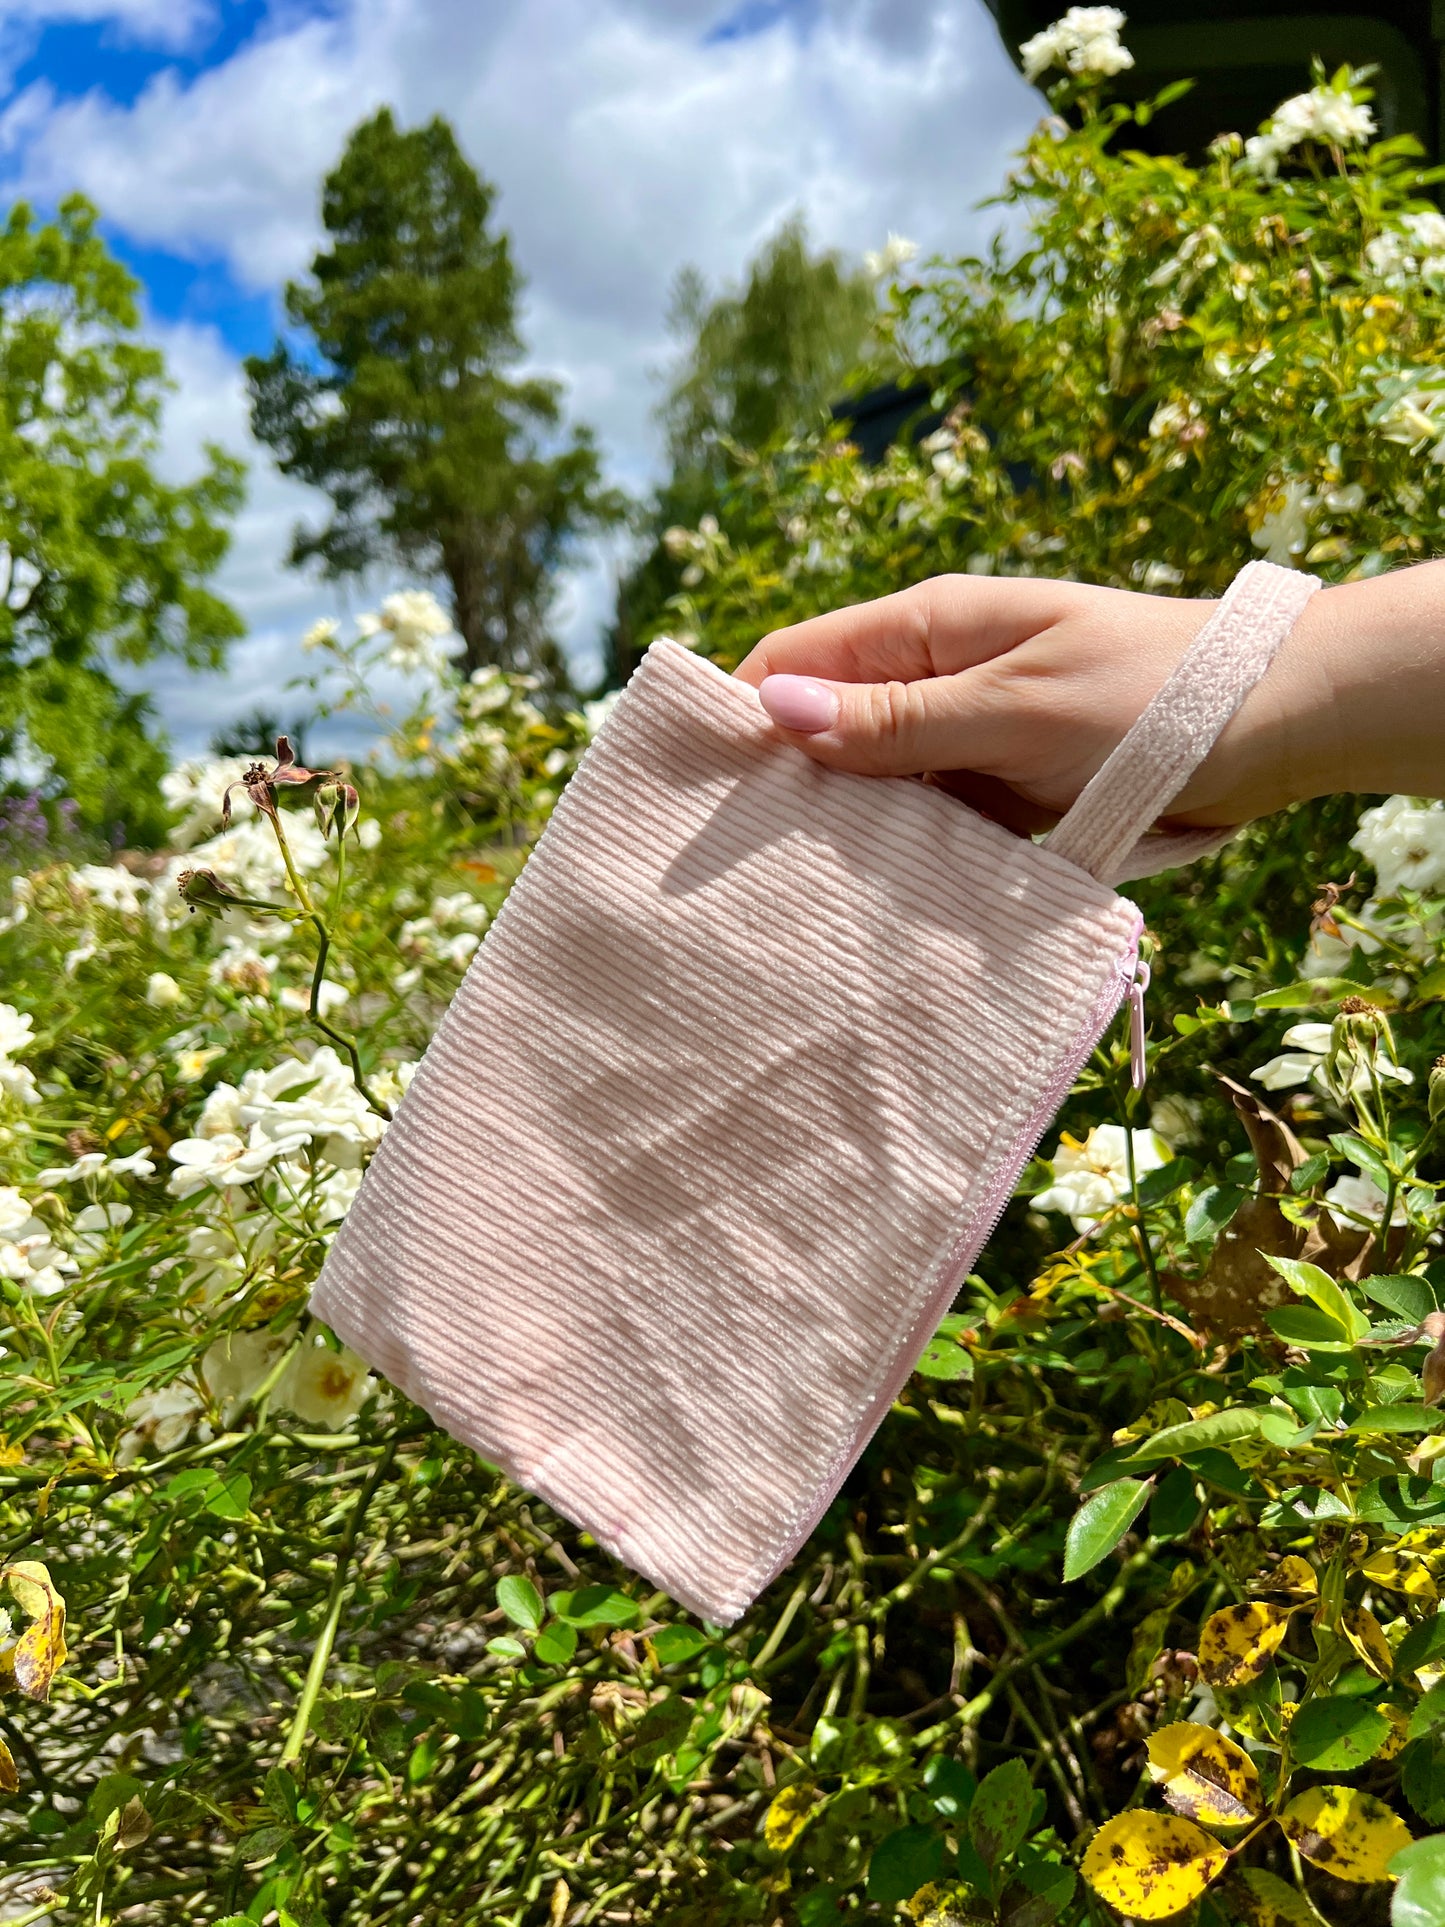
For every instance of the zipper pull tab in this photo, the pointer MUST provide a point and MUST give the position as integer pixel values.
(1138, 985)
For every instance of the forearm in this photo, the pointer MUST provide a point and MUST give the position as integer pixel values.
(1365, 670)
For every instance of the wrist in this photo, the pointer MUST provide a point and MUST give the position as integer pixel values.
(1365, 685)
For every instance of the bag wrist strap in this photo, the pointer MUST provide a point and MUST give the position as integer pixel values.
(1107, 830)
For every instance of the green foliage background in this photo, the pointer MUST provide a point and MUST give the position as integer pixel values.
(324, 1667)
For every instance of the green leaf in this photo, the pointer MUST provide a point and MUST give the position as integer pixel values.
(902, 1862)
(1401, 1502)
(1308, 1502)
(1001, 1810)
(1178, 1441)
(1162, 1182)
(1308, 1281)
(1422, 1778)
(1363, 1157)
(1337, 1734)
(505, 1647)
(675, 1643)
(1404, 1417)
(1317, 991)
(1411, 1297)
(950, 1786)
(1307, 1327)
(595, 1606)
(1429, 1712)
(556, 1644)
(943, 1357)
(520, 1600)
(1211, 1211)
(1100, 1523)
(281, 1793)
(1422, 1644)
(229, 1496)
(1419, 1899)
(1306, 1176)
(1175, 1506)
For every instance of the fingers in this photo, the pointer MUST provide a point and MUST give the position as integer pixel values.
(932, 629)
(895, 728)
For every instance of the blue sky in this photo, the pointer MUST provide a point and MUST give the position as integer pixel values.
(626, 138)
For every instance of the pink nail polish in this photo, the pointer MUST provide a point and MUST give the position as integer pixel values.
(798, 702)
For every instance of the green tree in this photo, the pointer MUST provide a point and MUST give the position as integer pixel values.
(399, 404)
(101, 562)
(756, 363)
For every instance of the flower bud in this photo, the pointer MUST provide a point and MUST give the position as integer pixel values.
(204, 890)
(337, 806)
(1436, 1088)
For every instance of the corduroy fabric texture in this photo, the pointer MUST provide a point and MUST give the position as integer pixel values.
(681, 1186)
(730, 1098)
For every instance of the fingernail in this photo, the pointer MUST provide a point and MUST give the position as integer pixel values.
(797, 702)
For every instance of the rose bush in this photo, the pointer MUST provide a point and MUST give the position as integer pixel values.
(1131, 1608)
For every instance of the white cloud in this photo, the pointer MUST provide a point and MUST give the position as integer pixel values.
(623, 141)
(163, 23)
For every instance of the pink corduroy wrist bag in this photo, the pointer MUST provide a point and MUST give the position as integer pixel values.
(732, 1096)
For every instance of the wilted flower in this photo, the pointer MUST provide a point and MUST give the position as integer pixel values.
(204, 890)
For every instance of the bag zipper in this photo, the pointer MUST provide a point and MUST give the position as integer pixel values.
(1129, 979)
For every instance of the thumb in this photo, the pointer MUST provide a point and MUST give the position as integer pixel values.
(881, 728)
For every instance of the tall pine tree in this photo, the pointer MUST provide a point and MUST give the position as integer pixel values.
(400, 403)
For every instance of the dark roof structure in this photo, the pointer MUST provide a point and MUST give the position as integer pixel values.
(1245, 59)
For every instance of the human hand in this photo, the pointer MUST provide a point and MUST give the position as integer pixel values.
(1011, 692)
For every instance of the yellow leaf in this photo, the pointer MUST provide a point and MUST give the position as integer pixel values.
(790, 1812)
(1151, 1865)
(1205, 1776)
(1262, 1899)
(1238, 1643)
(9, 1778)
(1350, 1834)
(34, 1659)
(1400, 1573)
(943, 1904)
(1162, 1413)
(1292, 1575)
(1399, 1732)
(1363, 1631)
